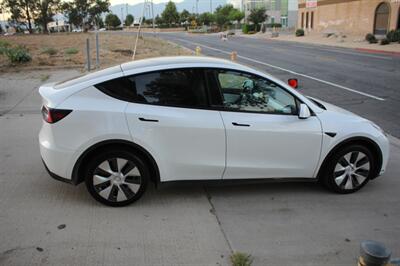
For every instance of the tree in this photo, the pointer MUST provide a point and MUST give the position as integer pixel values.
(96, 8)
(222, 15)
(170, 15)
(129, 20)
(112, 21)
(159, 20)
(21, 11)
(97, 21)
(82, 13)
(184, 16)
(258, 16)
(148, 21)
(206, 18)
(236, 15)
(100, 22)
(44, 12)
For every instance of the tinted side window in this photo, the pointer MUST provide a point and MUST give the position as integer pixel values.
(246, 92)
(119, 88)
(179, 87)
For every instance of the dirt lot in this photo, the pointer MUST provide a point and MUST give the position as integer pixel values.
(69, 49)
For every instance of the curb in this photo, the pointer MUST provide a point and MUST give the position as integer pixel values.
(8, 69)
(367, 50)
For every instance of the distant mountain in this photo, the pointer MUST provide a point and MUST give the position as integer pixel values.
(189, 5)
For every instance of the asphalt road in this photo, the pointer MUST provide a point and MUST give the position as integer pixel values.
(364, 83)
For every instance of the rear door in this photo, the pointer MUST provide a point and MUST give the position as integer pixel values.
(171, 119)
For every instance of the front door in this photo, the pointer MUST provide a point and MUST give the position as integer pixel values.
(265, 137)
(382, 14)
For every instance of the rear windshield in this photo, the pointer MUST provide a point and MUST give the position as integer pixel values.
(101, 74)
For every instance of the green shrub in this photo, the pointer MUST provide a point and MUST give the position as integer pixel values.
(71, 50)
(245, 28)
(276, 25)
(49, 51)
(4, 45)
(18, 54)
(384, 41)
(299, 32)
(393, 35)
(250, 28)
(370, 38)
(241, 259)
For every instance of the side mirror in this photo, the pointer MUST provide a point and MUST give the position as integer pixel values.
(304, 111)
(294, 83)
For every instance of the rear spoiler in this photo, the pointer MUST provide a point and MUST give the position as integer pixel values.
(52, 97)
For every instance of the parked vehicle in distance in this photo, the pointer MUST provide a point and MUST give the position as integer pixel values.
(199, 118)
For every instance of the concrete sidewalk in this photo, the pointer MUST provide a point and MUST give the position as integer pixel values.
(46, 222)
(351, 42)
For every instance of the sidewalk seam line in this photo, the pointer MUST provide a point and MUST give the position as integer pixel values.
(218, 220)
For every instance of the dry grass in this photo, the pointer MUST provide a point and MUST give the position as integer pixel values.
(115, 48)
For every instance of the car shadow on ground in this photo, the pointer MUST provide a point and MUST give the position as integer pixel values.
(78, 195)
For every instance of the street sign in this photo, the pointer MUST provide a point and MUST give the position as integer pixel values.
(311, 3)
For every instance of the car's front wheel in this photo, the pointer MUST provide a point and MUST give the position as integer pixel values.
(349, 169)
(116, 178)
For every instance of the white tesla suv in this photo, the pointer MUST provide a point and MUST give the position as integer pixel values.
(199, 118)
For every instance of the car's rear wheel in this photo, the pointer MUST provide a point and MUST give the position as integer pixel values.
(349, 169)
(116, 178)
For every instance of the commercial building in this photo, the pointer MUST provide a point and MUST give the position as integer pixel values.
(278, 11)
(357, 17)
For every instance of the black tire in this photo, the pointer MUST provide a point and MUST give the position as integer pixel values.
(123, 187)
(350, 180)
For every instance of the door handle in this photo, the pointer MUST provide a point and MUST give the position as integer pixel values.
(147, 120)
(240, 125)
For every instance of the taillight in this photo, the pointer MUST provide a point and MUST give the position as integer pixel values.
(51, 115)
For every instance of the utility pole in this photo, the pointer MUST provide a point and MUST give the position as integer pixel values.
(122, 17)
(197, 7)
(146, 4)
(211, 7)
(154, 18)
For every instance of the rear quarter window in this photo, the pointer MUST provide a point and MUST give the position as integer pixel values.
(120, 88)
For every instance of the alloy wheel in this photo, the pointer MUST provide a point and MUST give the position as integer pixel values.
(117, 179)
(352, 170)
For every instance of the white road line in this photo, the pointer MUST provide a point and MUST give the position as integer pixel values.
(288, 70)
